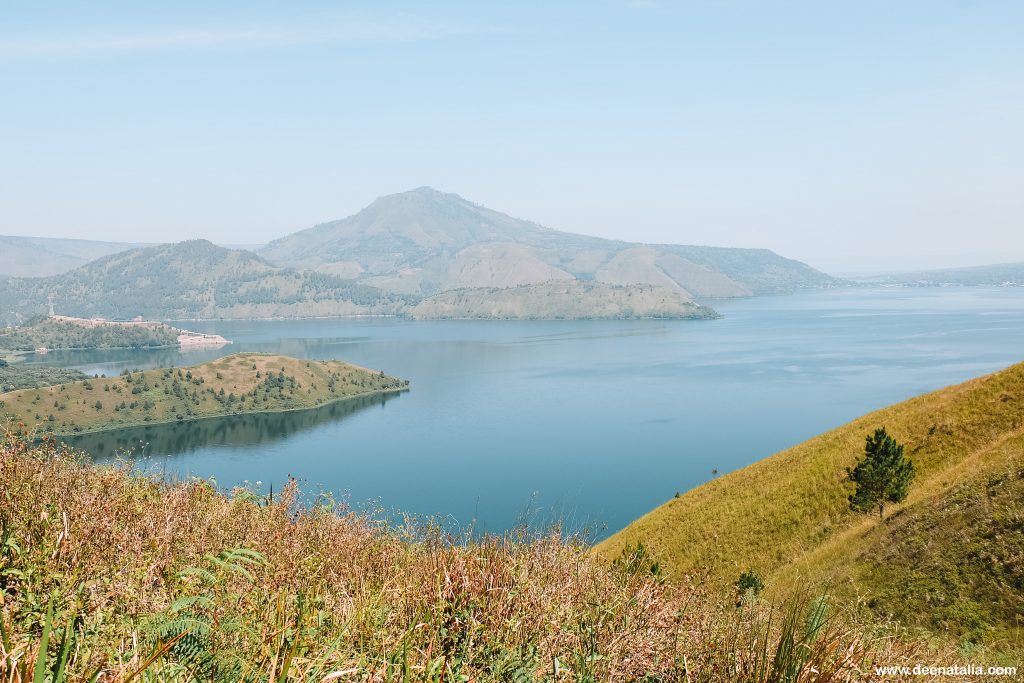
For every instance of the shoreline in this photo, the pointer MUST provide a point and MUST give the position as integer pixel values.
(156, 423)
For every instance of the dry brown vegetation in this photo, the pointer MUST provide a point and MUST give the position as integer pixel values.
(122, 572)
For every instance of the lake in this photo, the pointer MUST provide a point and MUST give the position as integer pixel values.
(592, 422)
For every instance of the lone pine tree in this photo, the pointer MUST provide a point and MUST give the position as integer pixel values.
(883, 476)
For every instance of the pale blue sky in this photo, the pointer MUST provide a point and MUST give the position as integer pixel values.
(853, 135)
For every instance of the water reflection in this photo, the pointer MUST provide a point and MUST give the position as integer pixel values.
(235, 431)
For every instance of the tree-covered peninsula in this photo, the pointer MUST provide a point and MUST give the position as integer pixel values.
(239, 383)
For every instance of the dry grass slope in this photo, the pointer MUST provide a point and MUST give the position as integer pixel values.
(787, 516)
(122, 573)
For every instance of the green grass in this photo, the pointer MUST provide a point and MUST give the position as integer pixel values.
(946, 561)
(239, 383)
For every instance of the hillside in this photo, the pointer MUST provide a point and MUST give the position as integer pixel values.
(43, 256)
(189, 280)
(423, 242)
(950, 560)
(1001, 274)
(240, 383)
(560, 299)
(128, 573)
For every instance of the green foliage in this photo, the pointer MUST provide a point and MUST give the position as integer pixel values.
(883, 476)
(638, 560)
(17, 376)
(196, 623)
(749, 586)
(57, 334)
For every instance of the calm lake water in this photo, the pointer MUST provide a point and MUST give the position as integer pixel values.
(595, 422)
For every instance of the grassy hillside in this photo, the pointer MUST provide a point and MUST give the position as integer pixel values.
(423, 242)
(560, 299)
(57, 334)
(240, 383)
(189, 280)
(174, 582)
(948, 561)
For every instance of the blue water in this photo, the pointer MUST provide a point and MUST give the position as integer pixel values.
(595, 422)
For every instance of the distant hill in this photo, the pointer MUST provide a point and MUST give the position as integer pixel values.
(44, 256)
(1001, 274)
(198, 280)
(190, 280)
(423, 242)
(560, 300)
(950, 560)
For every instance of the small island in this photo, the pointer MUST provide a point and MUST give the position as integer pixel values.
(236, 384)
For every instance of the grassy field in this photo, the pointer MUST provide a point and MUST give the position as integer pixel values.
(949, 561)
(107, 574)
(239, 383)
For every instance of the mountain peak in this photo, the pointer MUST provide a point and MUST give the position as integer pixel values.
(424, 192)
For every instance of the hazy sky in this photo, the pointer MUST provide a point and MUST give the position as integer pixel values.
(854, 135)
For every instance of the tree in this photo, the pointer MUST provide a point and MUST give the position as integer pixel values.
(883, 476)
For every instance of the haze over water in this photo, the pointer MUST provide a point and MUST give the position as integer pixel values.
(594, 421)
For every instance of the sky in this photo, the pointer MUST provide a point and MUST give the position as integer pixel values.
(858, 136)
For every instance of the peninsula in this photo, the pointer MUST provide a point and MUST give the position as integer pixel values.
(235, 384)
(63, 333)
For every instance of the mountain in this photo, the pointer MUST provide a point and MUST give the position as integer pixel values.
(423, 242)
(560, 300)
(949, 560)
(1000, 274)
(188, 280)
(43, 256)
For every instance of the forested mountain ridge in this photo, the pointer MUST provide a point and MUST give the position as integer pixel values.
(190, 280)
(424, 241)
